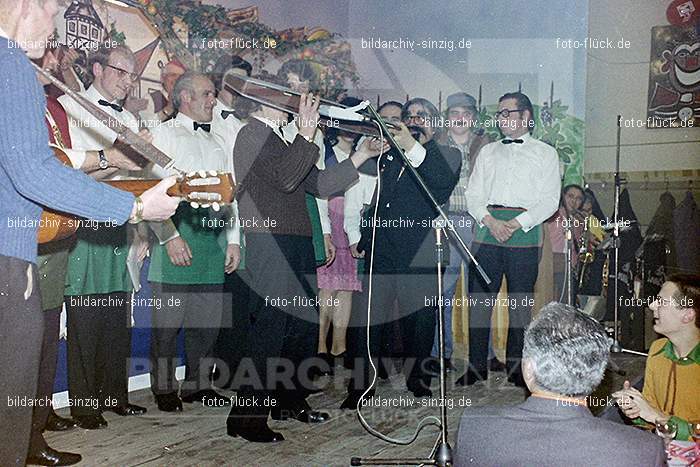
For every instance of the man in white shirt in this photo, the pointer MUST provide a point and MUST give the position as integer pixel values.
(97, 268)
(187, 272)
(513, 189)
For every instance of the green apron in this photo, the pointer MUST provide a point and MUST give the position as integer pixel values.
(97, 263)
(203, 235)
(52, 264)
(519, 239)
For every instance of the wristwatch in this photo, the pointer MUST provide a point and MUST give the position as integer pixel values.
(104, 163)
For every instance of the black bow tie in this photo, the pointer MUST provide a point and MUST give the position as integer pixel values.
(204, 126)
(116, 107)
(225, 113)
(511, 141)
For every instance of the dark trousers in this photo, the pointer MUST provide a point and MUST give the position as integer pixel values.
(282, 330)
(519, 265)
(47, 374)
(21, 332)
(197, 310)
(415, 291)
(99, 347)
(230, 345)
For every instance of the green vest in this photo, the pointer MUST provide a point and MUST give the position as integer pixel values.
(52, 264)
(97, 263)
(203, 231)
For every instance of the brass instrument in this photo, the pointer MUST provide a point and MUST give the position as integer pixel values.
(586, 254)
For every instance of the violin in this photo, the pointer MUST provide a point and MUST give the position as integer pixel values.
(287, 100)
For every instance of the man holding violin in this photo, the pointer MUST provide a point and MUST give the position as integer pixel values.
(282, 323)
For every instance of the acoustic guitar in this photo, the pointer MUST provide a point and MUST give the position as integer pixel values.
(199, 188)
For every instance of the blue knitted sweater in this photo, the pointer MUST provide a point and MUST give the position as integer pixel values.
(30, 175)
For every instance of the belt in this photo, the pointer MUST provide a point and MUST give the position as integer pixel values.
(498, 206)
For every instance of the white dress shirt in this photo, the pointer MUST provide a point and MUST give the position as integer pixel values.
(87, 133)
(191, 151)
(522, 175)
(290, 131)
(359, 195)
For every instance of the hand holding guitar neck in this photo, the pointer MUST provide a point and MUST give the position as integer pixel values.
(157, 205)
(308, 115)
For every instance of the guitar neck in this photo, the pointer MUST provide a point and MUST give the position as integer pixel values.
(144, 149)
(137, 187)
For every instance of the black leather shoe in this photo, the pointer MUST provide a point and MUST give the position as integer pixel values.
(304, 415)
(50, 456)
(517, 379)
(128, 410)
(208, 397)
(257, 432)
(169, 402)
(471, 377)
(56, 423)
(497, 365)
(90, 422)
(449, 367)
(353, 397)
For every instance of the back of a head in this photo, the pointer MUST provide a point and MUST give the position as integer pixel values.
(567, 349)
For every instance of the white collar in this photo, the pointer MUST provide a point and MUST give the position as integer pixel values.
(94, 95)
(272, 124)
(4, 34)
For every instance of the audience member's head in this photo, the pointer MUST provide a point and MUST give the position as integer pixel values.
(169, 73)
(299, 76)
(246, 108)
(677, 307)
(565, 352)
(224, 65)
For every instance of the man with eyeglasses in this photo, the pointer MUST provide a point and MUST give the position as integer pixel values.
(404, 250)
(99, 337)
(512, 190)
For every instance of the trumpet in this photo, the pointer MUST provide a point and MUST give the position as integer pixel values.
(586, 254)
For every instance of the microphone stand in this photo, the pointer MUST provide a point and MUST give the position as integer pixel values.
(441, 455)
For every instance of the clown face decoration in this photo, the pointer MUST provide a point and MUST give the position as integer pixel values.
(674, 78)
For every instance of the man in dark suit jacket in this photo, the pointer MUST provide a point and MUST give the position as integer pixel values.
(564, 358)
(404, 250)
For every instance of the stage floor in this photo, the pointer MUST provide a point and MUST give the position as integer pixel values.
(197, 436)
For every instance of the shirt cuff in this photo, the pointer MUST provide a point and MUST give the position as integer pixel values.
(525, 220)
(77, 158)
(683, 433)
(353, 237)
(416, 155)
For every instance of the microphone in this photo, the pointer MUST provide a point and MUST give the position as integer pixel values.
(343, 113)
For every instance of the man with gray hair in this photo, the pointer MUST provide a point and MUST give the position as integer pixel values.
(564, 358)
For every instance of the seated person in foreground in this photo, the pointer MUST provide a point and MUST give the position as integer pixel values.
(672, 377)
(564, 358)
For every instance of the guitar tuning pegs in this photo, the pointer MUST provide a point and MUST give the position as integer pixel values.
(205, 205)
(202, 173)
(216, 207)
(213, 173)
(194, 205)
(191, 174)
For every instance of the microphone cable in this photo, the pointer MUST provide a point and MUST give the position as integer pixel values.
(427, 421)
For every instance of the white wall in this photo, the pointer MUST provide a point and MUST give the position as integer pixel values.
(617, 83)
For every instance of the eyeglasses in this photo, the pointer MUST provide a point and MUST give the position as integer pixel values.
(122, 72)
(506, 112)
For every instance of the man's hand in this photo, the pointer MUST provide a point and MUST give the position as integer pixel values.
(633, 404)
(157, 205)
(500, 230)
(308, 115)
(356, 254)
(118, 160)
(179, 252)
(233, 258)
(403, 136)
(68, 58)
(330, 249)
(369, 148)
